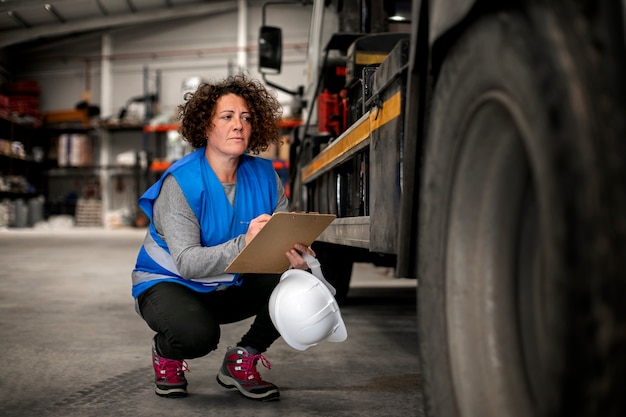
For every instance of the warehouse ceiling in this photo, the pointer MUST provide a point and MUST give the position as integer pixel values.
(32, 21)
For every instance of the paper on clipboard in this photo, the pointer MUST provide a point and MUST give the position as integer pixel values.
(265, 254)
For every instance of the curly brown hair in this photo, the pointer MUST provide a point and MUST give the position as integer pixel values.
(196, 113)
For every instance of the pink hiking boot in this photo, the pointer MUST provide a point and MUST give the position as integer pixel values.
(239, 371)
(169, 375)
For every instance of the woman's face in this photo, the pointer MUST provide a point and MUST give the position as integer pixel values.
(229, 132)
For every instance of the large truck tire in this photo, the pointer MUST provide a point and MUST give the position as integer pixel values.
(521, 308)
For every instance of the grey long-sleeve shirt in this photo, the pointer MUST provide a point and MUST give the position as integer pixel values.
(176, 223)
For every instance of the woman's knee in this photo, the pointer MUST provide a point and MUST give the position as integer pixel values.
(187, 328)
(192, 341)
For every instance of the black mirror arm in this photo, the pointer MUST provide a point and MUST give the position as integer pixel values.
(279, 87)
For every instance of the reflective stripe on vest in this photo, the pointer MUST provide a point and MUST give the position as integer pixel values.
(165, 260)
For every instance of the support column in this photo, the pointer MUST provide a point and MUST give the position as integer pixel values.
(106, 110)
(242, 36)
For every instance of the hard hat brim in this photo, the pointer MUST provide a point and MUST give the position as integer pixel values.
(339, 332)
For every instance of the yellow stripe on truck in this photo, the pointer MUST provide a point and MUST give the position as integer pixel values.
(369, 58)
(356, 134)
(389, 111)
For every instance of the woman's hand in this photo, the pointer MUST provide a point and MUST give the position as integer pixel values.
(256, 225)
(295, 256)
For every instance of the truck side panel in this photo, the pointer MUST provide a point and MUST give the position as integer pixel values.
(389, 85)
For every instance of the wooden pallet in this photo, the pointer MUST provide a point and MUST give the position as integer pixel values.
(88, 213)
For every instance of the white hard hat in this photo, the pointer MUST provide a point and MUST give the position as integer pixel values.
(304, 311)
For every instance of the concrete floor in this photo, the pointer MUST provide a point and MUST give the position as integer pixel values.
(72, 344)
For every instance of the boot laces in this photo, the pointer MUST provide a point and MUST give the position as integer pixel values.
(250, 366)
(172, 369)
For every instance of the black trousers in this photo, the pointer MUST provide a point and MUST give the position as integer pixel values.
(187, 322)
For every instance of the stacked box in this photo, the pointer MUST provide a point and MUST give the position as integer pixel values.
(75, 150)
(21, 98)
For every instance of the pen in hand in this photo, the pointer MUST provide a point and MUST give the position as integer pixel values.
(255, 225)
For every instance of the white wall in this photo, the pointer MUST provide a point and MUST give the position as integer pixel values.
(178, 49)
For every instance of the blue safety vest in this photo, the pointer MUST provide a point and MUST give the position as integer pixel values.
(220, 221)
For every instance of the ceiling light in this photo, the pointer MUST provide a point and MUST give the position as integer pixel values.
(15, 16)
(50, 8)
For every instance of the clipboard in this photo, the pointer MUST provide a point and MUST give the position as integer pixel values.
(265, 254)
